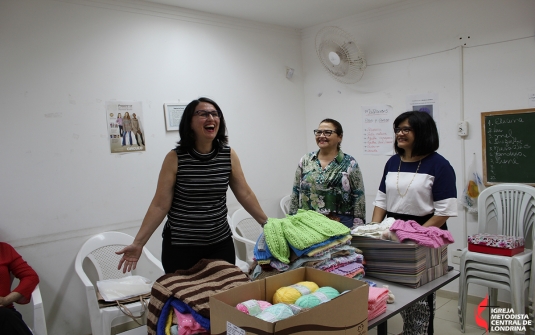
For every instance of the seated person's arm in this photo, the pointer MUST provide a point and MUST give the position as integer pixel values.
(21, 294)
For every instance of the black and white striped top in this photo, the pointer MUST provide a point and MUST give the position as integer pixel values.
(198, 215)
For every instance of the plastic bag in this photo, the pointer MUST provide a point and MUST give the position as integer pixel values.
(124, 288)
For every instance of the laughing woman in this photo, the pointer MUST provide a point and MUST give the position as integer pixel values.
(418, 184)
(328, 180)
(192, 193)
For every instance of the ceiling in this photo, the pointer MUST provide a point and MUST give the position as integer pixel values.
(298, 14)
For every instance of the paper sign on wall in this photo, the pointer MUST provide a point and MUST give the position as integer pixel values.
(378, 132)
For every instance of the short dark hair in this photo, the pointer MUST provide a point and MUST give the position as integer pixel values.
(337, 127)
(187, 137)
(425, 133)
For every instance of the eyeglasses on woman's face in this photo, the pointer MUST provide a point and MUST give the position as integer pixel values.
(326, 133)
(403, 130)
(205, 114)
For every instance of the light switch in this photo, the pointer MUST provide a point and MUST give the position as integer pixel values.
(462, 128)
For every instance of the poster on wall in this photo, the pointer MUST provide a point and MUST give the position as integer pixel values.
(378, 132)
(424, 103)
(125, 126)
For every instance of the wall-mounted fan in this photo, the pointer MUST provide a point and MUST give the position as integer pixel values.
(340, 55)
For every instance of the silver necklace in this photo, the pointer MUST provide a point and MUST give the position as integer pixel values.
(397, 180)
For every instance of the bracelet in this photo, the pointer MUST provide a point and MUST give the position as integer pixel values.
(263, 224)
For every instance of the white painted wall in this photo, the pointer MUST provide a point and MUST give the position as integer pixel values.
(61, 60)
(414, 48)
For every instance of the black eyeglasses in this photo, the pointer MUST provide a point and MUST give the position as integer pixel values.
(404, 130)
(327, 133)
(205, 114)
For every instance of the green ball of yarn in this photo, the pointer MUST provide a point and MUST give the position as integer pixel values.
(323, 294)
(330, 292)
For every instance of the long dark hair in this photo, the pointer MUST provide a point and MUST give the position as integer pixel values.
(425, 133)
(187, 136)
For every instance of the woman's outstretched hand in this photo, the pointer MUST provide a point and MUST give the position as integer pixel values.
(130, 257)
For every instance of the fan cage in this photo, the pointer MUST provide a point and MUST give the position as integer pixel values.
(352, 62)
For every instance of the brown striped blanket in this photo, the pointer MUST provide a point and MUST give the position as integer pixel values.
(194, 287)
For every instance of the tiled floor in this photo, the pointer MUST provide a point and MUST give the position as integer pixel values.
(446, 320)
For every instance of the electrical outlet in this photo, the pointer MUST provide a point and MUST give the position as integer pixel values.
(456, 256)
(462, 128)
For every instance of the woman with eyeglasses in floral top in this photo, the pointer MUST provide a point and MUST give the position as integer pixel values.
(328, 180)
(418, 184)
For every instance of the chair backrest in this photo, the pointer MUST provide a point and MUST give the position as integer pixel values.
(285, 204)
(512, 206)
(100, 250)
(245, 231)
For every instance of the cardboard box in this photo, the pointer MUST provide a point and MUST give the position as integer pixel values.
(346, 314)
(404, 263)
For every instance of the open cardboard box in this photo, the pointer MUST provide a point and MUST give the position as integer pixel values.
(346, 314)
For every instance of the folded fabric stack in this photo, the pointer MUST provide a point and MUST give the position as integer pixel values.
(187, 292)
(418, 257)
(377, 298)
(307, 239)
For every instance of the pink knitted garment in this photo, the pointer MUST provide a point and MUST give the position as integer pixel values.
(372, 314)
(377, 294)
(187, 324)
(432, 237)
(377, 297)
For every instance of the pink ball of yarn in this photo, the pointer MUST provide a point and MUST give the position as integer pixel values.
(255, 306)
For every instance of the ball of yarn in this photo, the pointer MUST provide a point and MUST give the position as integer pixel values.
(252, 307)
(323, 294)
(330, 292)
(290, 294)
(310, 285)
(286, 295)
(275, 313)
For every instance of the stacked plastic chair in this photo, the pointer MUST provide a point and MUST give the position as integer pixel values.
(511, 209)
(285, 204)
(245, 232)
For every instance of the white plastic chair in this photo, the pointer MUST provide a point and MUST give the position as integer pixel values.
(39, 322)
(285, 205)
(245, 232)
(100, 250)
(511, 208)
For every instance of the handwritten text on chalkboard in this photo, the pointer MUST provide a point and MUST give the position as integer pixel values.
(509, 146)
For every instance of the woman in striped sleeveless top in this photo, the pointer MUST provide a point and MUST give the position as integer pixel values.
(191, 192)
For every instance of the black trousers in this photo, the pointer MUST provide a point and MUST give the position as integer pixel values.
(184, 257)
(11, 322)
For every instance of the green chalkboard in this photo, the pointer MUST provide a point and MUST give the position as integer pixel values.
(508, 146)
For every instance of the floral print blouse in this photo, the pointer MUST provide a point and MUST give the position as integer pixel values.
(338, 188)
